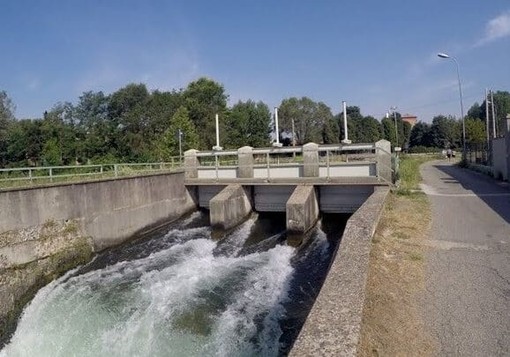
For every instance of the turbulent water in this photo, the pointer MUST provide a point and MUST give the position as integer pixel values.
(181, 293)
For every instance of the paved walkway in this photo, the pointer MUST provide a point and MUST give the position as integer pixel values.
(467, 295)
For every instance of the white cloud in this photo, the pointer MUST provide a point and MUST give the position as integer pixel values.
(496, 28)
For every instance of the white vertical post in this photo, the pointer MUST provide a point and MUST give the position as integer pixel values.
(277, 143)
(217, 147)
(180, 141)
(346, 136)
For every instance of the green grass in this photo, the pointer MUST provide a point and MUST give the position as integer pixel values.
(410, 172)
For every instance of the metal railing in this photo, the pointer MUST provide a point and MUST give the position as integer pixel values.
(332, 152)
(329, 156)
(27, 176)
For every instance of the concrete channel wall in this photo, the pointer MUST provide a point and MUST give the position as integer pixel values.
(45, 231)
(230, 207)
(109, 211)
(333, 326)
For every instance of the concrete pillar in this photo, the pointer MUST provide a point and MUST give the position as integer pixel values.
(302, 213)
(191, 164)
(230, 207)
(383, 157)
(311, 160)
(245, 162)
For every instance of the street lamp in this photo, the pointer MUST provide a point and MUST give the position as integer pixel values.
(444, 55)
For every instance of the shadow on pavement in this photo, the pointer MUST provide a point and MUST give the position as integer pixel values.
(495, 194)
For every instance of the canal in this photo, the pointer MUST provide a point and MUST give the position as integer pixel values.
(178, 292)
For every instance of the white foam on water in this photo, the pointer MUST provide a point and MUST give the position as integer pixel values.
(183, 300)
(195, 215)
(264, 292)
(233, 243)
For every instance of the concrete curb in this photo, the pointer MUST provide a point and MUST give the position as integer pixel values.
(333, 327)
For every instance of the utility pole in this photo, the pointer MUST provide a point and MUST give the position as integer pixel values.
(494, 128)
(487, 128)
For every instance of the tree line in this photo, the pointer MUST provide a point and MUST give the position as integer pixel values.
(134, 124)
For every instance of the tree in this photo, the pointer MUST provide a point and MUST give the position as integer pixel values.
(405, 133)
(476, 112)
(24, 144)
(127, 110)
(313, 122)
(475, 131)
(160, 107)
(168, 144)
(420, 135)
(51, 154)
(95, 130)
(445, 132)
(59, 125)
(248, 123)
(388, 130)
(502, 109)
(330, 129)
(204, 98)
(6, 119)
(371, 130)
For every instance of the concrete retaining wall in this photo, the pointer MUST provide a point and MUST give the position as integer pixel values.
(46, 231)
(500, 154)
(108, 211)
(333, 326)
(230, 207)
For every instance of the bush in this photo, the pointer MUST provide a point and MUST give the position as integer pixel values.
(423, 150)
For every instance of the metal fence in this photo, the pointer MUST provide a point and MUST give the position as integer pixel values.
(290, 155)
(478, 154)
(27, 176)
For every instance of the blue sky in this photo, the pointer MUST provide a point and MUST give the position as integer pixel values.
(374, 54)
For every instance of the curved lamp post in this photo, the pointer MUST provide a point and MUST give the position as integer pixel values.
(444, 55)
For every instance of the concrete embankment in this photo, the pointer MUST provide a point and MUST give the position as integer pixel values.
(333, 326)
(45, 231)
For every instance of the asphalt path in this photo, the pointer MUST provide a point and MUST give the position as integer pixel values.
(467, 299)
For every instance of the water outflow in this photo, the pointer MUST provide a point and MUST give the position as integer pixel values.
(178, 294)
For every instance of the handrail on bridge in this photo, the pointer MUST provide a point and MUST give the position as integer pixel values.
(328, 160)
(290, 150)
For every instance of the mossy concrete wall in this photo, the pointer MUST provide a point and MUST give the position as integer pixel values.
(45, 231)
